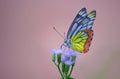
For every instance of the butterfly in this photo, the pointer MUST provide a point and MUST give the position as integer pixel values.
(80, 33)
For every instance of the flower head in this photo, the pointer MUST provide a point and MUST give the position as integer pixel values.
(69, 57)
(56, 52)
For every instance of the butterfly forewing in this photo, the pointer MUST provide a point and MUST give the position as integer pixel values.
(76, 22)
(88, 21)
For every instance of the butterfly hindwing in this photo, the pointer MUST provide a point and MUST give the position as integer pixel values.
(88, 41)
(82, 40)
(78, 41)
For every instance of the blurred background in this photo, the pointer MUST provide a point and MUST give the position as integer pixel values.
(27, 35)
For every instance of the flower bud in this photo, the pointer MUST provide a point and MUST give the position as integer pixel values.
(59, 58)
(53, 57)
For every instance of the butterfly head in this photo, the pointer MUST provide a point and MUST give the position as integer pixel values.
(67, 43)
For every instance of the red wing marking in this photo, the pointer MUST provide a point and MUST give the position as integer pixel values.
(88, 42)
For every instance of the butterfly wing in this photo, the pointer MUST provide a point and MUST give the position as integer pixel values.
(78, 41)
(80, 33)
(86, 23)
(82, 36)
(76, 22)
(82, 40)
(88, 41)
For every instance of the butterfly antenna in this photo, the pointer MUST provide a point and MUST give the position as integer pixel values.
(58, 32)
(64, 35)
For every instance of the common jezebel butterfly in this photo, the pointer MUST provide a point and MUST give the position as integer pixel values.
(80, 33)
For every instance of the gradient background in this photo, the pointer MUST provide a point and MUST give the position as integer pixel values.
(26, 37)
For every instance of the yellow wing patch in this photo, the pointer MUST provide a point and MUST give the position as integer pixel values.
(78, 41)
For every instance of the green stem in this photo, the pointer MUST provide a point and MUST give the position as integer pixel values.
(55, 64)
(58, 66)
(71, 70)
(60, 70)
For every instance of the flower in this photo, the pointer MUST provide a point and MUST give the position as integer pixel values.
(69, 57)
(57, 52)
(64, 58)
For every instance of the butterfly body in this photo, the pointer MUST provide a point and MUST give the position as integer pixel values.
(80, 33)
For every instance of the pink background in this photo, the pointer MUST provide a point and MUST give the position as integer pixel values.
(26, 37)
